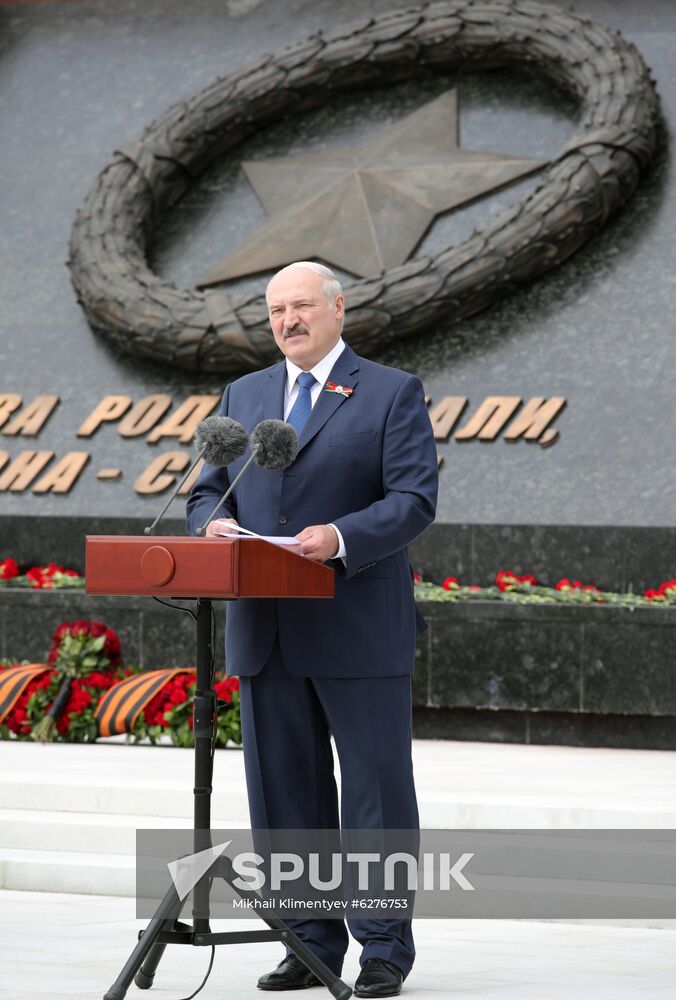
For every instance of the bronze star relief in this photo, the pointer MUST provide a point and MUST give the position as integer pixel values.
(366, 208)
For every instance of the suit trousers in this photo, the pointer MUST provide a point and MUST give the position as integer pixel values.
(287, 723)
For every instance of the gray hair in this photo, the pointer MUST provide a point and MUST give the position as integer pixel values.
(330, 285)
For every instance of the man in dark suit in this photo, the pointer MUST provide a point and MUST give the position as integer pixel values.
(363, 486)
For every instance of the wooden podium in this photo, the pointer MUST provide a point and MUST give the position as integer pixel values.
(217, 568)
(204, 570)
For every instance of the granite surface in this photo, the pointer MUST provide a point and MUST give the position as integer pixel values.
(613, 558)
(78, 80)
(646, 732)
(152, 635)
(518, 672)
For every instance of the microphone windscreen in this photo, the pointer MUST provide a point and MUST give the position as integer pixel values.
(274, 444)
(225, 439)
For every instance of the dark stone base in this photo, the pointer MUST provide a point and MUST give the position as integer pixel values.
(571, 659)
(152, 635)
(561, 728)
(585, 675)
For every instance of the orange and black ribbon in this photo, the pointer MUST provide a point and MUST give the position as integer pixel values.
(14, 681)
(121, 705)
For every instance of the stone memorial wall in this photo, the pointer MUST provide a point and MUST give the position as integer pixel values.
(531, 288)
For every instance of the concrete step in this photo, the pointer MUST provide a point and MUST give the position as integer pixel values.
(112, 779)
(458, 784)
(69, 832)
(68, 871)
(69, 813)
(95, 833)
(126, 798)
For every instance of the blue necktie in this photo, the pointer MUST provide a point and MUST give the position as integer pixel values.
(301, 409)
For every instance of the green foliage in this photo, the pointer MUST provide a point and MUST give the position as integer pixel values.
(527, 593)
(80, 654)
(57, 581)
(229, 725)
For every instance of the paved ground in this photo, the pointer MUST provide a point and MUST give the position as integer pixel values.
(56, 946)
(64, 946)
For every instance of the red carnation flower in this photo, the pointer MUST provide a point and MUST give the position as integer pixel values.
(175, 692)
(41, 576)
(665, 590)
(9, 568)
(566, 584)
(506, 580)
(63, 724)
(99, 680)
(79, 700)
(225, 688)
(20, 715)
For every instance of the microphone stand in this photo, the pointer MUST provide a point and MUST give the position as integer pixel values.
(174, 493)
(166, 927)
(200, 531)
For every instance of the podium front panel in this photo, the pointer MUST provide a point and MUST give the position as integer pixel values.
(180, 566)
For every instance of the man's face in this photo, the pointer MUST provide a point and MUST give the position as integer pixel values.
(304, 325)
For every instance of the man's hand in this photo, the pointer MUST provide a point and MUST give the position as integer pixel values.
(220, 524)
(319, 542)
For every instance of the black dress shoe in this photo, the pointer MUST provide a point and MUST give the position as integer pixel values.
(290, 974)
(378, 978)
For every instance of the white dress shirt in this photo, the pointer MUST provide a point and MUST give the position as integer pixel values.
(321, 372)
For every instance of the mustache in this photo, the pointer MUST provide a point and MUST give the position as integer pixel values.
(291, 330)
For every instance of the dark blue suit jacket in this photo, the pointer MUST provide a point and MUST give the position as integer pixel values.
(367, 463)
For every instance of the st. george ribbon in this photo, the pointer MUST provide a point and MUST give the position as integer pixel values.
(274, 445)
(220, 441)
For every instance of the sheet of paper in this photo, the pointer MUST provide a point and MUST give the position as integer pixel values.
(280, 539)
(275, 539)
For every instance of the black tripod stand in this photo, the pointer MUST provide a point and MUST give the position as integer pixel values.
(165, 927)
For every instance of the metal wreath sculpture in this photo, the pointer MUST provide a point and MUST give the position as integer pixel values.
(212, 331)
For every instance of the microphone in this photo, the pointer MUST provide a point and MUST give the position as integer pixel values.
(274, 445)
(220, 441)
